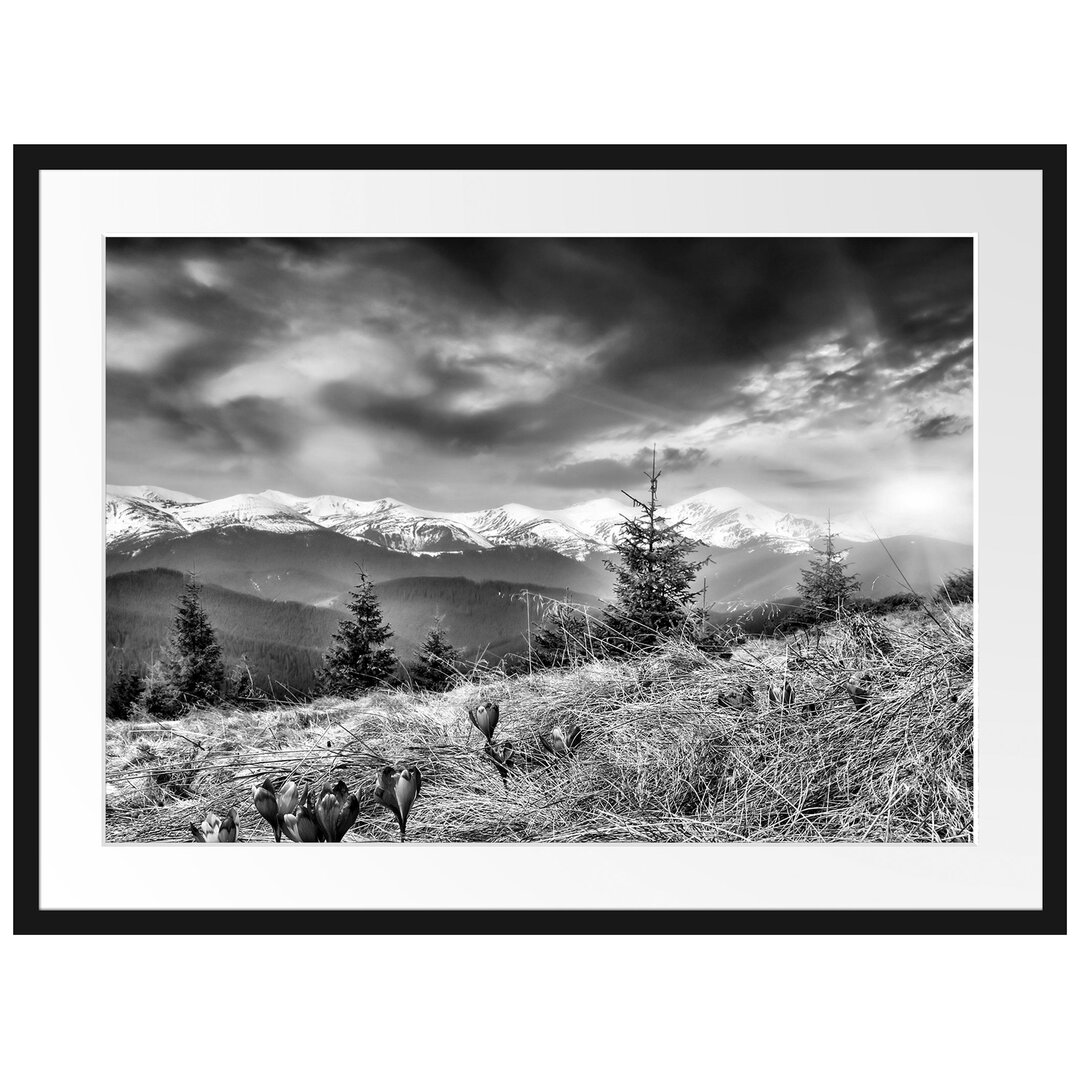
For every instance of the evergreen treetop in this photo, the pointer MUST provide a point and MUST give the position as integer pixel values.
(190, 672)
(826, 586)
(654, 578)
(358, 659)
(437, 663)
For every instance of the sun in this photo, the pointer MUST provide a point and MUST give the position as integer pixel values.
(919, 499)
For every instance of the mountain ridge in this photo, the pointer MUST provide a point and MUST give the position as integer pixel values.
(720, 517)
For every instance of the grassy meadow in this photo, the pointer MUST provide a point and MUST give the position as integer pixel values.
(660, 758)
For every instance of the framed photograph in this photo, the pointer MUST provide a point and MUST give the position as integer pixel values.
(591, 534)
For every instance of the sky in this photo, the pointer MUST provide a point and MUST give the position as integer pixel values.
(812, 374)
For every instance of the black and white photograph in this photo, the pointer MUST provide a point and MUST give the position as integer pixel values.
(502, 539)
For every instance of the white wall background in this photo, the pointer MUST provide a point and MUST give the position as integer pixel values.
(565, 72)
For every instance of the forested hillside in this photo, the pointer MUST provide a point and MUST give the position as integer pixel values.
(284, 641)
(488, 615)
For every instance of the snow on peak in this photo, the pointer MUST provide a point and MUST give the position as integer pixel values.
(720, 498)
(151, 494)
(250, 511)
(720, 517)
(282, 497)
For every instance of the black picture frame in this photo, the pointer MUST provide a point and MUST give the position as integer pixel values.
(31, 160)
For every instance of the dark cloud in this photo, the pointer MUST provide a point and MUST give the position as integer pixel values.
(434, 420)
(605, 473)
(941, 426)
(554, 358)
(242, 426)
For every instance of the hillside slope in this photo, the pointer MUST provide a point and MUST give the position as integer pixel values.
(315, 567)
(661, 757)
(284, 641)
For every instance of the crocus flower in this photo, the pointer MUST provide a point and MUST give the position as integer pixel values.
(336, 812)
(215, 831)
(785, 698)
(274, 804)
(302, 827)
(485, 717)
(857, 689)
(565, 737)
(396, 789)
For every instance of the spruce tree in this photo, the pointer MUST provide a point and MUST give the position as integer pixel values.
(826, 587)
(358, 659)
(436, 663)
(123, 695)
(193, 663)
(654, 578)
(190, 672)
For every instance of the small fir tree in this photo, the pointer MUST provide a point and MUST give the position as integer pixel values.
(957, 588)
(358, 659)
(826, 587)
(654, 577)
(123, 695)
(437, 663)
(190, 672)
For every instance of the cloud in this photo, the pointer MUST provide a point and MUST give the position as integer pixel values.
(604, 473)
(548, 363)
(940, 426)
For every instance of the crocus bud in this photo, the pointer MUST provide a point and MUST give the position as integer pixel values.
(215, 831)
(229, 828)
(287, 799)
(336, 812)
(485, 717)
(265, 797)
(785, 698)
(857, 690)
(565, 737)
(397, 789)
(301, 827)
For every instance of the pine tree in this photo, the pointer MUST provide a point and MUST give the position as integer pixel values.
(358, 660)
(436, 663)
(826, 587)
(190, 672)
(654, 578)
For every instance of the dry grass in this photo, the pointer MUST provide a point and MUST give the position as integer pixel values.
(659, 759)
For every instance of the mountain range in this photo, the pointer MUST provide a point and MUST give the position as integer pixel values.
(721, 518)
(278, 568)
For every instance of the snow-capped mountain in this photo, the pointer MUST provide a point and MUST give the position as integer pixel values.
(725, 518)
(133, 522)
(405, 528)
(599, 518)
(722, 518)
(159, 495)
(525, 527)
(249, 511)
(388, 522)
